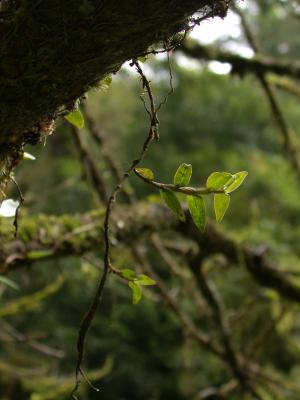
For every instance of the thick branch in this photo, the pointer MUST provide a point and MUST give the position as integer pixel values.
(212, 241)
(52, 51)
(48, 237)
(241, 65)
(44, 237)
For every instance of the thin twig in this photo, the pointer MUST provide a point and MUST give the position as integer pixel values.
(182, 273)
(186, 322)
(180, 189)
(89, 316)
(171, 90)
(22, 199)
(259, 341)
(188, 325)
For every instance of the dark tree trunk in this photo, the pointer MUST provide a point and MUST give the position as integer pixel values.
(53, 51)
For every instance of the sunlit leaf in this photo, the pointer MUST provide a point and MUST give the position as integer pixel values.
(9, 282)
(28, 156)
(173, 203)
(8, 208)
(128, 273)
(145, 173)
(183, 175)
(145, 280)
(39, 254)
(221, 203)
(136, 292)
(197, 210)
(75, 118)
(239, 178)
(217, 180)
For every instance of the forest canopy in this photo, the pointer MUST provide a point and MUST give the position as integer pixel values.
(190, 242)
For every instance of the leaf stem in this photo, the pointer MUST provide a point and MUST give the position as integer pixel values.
(179, 189)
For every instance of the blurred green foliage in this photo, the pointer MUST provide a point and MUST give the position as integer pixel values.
(216, 123)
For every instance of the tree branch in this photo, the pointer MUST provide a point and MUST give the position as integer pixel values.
(241, 65)
(55, 51)
(48, 237)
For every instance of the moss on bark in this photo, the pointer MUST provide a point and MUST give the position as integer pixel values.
(45, 237)
(53, 51)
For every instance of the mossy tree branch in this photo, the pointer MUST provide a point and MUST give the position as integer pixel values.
(48, 237)
(53, 51)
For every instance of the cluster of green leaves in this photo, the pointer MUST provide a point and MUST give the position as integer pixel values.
(228, 183)
(220, 184)
(135, 282)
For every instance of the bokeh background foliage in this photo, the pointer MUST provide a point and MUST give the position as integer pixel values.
(216, 122)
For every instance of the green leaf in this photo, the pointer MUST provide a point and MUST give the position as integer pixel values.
(145, 280)
(221, 203)
(142, 59)
(75, 118)
(136, 292)
(217, 180)
(39, 254)
(28, 156)
(239, 178)
(173, 203)
(183, 175)
(145, 173)
(128, 274)
(197, 210)
(9, 282)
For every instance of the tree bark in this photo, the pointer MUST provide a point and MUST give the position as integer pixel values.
(53, 51)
